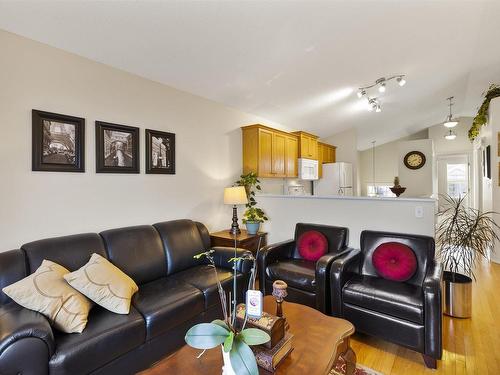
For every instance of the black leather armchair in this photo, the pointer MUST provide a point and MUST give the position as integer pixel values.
(308, 282)
(406, 313)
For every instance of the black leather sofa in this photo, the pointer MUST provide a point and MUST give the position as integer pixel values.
(406, 313)
(308, 281)
(175, 292)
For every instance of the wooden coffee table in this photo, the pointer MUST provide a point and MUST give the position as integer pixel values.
(319, 340)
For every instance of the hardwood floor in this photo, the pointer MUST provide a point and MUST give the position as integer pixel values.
(471, 346)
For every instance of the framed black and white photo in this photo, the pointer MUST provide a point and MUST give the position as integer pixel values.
(117, 148)
(58, 142)
(160, 152)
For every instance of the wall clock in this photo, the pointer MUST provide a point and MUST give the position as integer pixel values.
(414, 160)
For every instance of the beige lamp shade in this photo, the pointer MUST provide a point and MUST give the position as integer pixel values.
(235, 195)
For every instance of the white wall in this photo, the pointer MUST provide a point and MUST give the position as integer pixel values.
(494, 120)
(36, 205)
(386, 162)
(419, 182)
(347, 151)
(356, 213)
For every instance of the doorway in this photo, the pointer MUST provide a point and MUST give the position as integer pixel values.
(454, 177)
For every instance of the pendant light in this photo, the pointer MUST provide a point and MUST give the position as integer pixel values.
(450, 136)
(450, 122)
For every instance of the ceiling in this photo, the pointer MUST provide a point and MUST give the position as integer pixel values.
(297, 63)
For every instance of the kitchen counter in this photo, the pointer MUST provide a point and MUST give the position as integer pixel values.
(390, 214)
(343, 197)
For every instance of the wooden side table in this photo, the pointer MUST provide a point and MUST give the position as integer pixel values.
(243, 240)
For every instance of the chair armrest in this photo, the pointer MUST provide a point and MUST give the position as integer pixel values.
(433, 311)
(342, 269)
(26, 341)
(270, 254)
(223, 255)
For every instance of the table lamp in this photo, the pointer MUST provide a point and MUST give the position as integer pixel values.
(235, 195)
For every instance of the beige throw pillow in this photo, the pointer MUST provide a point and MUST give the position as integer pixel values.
(104, 283)
(47, 292)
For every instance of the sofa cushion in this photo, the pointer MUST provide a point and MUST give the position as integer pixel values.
(106, 337)
(394, 261)
(182, 240)
(400, 300)
(299, 273)
(104, 283)
(203, 278)
(137, 251)
(47, 292)
(312, 245)
(71, 252)
(166, 303)
(336, 236)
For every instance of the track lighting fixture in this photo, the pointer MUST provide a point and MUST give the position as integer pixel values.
(450, 136)
(361, 93)
(381, 84)
(450, 122)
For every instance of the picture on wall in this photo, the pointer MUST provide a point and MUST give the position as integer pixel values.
(58, 142)
(160, 152)
(117, 148)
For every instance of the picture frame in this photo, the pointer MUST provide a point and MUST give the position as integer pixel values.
(58, 142)
(160, 152)
(117, 148)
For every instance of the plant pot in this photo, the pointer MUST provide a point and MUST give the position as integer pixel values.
(252, 227)
(227, 369)
(397, 190)
(457, 295)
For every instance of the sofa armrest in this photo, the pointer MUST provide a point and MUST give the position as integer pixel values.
(223, 255)
(342, 269)
(26, 341)
(322, 279)
(270, 254)
(433, 311)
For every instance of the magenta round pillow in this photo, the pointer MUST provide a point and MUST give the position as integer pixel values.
(312, 245)
(394, 261)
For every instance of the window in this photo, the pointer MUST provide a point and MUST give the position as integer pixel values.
(457, 180)
(380, 190)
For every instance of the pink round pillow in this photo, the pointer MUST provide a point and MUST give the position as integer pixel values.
(312, 245)
(394, 261)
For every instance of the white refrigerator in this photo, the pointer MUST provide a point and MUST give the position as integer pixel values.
(336, 180)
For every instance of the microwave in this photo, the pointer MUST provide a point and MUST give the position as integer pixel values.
(308, 169)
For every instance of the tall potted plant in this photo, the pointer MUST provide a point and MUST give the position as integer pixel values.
(253, 215)
(464, 236)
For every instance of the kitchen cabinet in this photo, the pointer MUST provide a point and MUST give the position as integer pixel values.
(308, 145)
(269, 152)
(326, 154)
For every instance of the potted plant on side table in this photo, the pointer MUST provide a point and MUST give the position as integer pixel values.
(253, 215)
(464, 235)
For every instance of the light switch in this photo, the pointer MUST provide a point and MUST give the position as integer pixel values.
(419, 212)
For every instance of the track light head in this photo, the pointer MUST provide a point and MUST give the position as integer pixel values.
(381, 88)
(401, 81)
(378, 109)
(361, 93)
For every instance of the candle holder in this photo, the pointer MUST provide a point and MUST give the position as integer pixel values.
(279, 293)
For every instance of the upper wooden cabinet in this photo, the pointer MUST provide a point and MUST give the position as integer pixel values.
(269, 152)
(326, 154)
(308, 145)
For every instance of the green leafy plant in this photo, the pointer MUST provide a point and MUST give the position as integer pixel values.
(254, 215)
(251, 184)
(482, 114)
(235, 341)
(464, 235)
